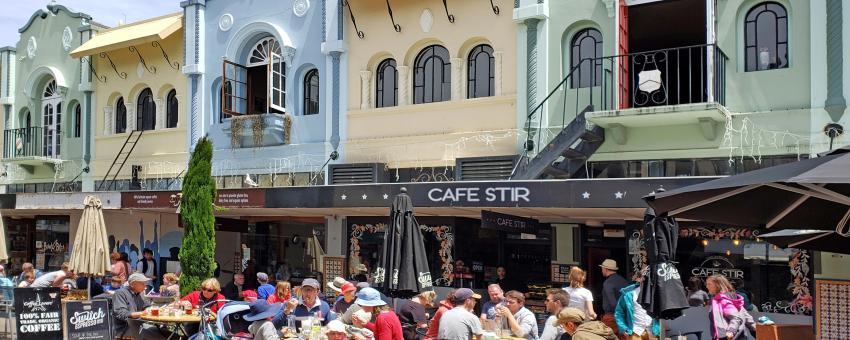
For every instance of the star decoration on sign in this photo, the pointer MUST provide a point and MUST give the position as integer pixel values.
(619, 195)
(343, 197)
(386, 196)
(585, 195)
(652, 193)
(364, 197)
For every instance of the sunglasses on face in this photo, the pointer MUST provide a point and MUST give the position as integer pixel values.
(209, 290)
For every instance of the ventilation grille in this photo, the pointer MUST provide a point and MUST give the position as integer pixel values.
(485, 168)
(358, 173)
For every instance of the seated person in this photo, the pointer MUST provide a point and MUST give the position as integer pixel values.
(115, 283)
(169, 285)
(249, 295)
(336, 331)
(260, 315)
(128, 304)
(309, 305)
(210, 291)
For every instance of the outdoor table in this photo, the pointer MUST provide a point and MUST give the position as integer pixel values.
(179, 322)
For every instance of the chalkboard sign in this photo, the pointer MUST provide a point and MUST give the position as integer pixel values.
(88, 320)
(38, 312)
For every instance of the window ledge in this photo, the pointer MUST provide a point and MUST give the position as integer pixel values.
(123, 135)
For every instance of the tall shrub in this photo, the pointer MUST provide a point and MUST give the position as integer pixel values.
(197, 253)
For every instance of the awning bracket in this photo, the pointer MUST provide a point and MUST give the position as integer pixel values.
(397, 27)
(122, 75)
(151, 69)
(494, 7)
(448, 15)
(175, 65)
(100, 78)
(360, 33)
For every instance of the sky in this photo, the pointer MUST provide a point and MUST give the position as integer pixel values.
(15, 13)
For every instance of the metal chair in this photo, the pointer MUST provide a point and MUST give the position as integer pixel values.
(7, 306)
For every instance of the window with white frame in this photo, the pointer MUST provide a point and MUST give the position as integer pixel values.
(766, 37)
(258, 86)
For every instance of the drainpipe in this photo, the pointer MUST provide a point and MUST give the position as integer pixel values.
(87, 88)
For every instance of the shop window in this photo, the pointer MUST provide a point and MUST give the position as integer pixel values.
(766, 37)
(311, 92)
(171, 109)
(585, 65)
(481, 72)
(257, 87)
(145, 111)
(386, 88)
(120, 116)
(78, 121)
(432, 76)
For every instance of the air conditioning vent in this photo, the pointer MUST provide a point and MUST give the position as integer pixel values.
(485, 168)
(358, 173)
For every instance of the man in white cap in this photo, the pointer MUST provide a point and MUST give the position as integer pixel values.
(459, 323)
(611, 292)
(128, 304)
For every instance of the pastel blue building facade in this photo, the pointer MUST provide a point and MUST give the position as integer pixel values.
(264, 85)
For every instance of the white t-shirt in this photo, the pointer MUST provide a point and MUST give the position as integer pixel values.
(579, 297)
(642, 320)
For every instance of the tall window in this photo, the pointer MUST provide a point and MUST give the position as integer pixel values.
(311, 92)
(766, 37)
(78, 121)
(386, 86)
(258, 86)
(432, 76)
(585, 49)
(171, 109)
(145, 111)
(51, 120)
(481, 73)
(120, 116)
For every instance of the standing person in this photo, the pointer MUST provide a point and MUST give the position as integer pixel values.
(282, 293)
(411, 313)
(264, 290)
(118, 268)
(520, 320)
(632, 319)
(459, 323)
(579, 327)
(147, 266)
(497, 298)
(728, 317)
(556, 299)
(611, 292)
(504, 281)
(580, 297)
(27, 267)
(309, 305)
(345, 299)
(445, 305)
(53, 279)
(387, 325)
(697, 297)
(127, 304)
(233, 290)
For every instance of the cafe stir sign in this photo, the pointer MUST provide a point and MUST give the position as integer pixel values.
(38, 313)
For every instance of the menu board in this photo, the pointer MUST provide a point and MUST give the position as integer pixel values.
(88, 320)
(560, 273)
(38, 313)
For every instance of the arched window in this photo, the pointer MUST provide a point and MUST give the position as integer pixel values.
(766, 37)
(432, 76)
(51, 120)
(386, 86)
(258, 86)
(145, 111)
(120, 116)
(585, 65)
(78, 121)
(481, 73)
(171, 109)
(28, 131)
(311, 92)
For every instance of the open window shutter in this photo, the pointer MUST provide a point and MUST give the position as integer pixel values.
(234, 102)
(277, 83)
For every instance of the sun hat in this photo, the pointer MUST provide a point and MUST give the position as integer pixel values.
(137, 277)
(369, 297)
(310, 283)
(609, 264)
(336, 284)
(465, 293)
(336, 326)
(261, 309)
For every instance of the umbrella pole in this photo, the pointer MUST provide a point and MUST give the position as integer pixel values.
(88, 290)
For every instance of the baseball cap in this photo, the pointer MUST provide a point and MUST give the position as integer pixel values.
(262, 276)
(571, 314)
(137, 277)
(465, 293)
(311, 283)
(348, 287)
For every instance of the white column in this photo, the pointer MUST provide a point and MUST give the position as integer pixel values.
(457, 78)
(131, 116)
(366, 90)
(108, 121)
(160, 114)
(498, 56)
(404, 85)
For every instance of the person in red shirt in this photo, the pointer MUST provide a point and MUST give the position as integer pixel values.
(210, 291)
(387, 325)
(282, 293)
(434, 326)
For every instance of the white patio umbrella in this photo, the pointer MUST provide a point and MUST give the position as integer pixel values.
(3, 254)
(90, 255)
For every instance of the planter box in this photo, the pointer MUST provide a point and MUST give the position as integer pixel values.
(275, 131)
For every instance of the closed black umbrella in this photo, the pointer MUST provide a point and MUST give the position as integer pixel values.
(819, 240)
(662, 293)
(402, 270)
(808, 194)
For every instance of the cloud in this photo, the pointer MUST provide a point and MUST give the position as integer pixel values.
(15, 13)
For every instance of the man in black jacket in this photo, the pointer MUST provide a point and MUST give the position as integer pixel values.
(611, 292)
(233, 290)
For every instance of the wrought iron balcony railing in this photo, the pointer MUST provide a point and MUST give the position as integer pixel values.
(23, 142)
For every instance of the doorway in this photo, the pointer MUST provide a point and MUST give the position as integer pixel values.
(599, 244)
(52, 120)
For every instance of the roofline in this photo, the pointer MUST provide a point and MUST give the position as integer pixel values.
(8, 49)
(52, 8)
(136, 23)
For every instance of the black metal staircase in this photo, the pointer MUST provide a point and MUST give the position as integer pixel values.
(120, 160)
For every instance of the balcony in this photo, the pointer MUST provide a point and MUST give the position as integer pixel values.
(28, 146)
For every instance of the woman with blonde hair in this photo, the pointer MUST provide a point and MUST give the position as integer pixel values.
(170, 286)
(210, 291)
(282, 293)
(411, 313)
(727, 314)
(580, 297)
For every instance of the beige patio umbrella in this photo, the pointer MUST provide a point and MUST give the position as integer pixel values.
(90, 255)
(3, 254)
(315, 251)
